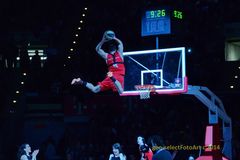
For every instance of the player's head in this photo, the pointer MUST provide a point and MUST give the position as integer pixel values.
(24, 149)
(112, 46)
(116, 148)
(156, 140)
(140, 140)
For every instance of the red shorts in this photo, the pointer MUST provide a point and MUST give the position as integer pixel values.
(108, 84)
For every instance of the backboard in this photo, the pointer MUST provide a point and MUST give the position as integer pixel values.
(162, 68)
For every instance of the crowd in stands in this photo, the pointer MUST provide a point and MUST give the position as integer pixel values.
(121, 122)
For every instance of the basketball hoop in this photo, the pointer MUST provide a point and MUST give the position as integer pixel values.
(145, 90)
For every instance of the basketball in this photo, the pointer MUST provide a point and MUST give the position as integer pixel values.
(109, 35)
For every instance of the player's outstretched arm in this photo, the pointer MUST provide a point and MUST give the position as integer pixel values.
(120, 45)
(99, 49)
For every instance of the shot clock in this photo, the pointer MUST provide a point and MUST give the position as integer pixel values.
(159, 21)
(155, 14)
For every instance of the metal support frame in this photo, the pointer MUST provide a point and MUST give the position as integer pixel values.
(215, 111)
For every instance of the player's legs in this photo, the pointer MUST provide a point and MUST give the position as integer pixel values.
(90, 86)
(109, 84)
(113, 82)
(118, 86)
(116, 82)
(94, 89)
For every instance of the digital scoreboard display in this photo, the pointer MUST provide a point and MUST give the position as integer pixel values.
(158, 21)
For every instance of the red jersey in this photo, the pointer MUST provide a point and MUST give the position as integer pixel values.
(116, 66)
(146, 152)
(148, 155)
(115, 63)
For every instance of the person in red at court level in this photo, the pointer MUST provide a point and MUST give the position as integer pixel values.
(146, 152)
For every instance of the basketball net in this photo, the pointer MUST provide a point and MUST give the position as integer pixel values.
(145, 90)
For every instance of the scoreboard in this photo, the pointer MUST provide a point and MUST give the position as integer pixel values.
(159, 21)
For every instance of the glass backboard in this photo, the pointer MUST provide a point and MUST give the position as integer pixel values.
(162, 68)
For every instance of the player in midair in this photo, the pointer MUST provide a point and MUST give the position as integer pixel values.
(114, 60)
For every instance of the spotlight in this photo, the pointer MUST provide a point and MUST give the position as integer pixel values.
(14, 101)
(236, 77)
(74, 42)
(83, 15)
(22, 82)
(189, 50)
(85, 8)
(24, 74)
(69, 57)
(76, 35)
(81, 21)
(71, 49)
(79, 28)
(231, 86)
(17, 92)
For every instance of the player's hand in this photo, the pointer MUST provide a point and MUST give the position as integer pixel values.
(111, 156)
(109, 74)
(35, 153)
(142, 156)
(76, 81)
(104, 38)
(121, 156)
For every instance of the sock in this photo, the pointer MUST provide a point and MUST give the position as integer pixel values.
(113, 79)
(84, 83)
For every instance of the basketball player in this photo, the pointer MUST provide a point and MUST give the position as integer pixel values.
(146, 152)
(114, 59)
